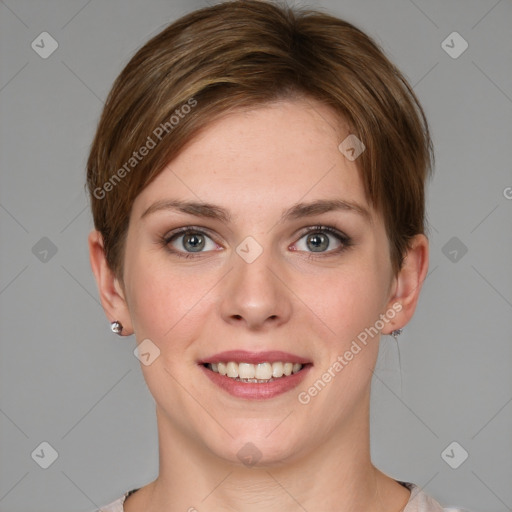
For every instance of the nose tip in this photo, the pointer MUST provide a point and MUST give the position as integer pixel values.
(254, 295)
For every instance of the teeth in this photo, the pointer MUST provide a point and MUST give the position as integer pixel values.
(277, 370)
(248, 372)
(263, 371)
(232, 369)
(221, 368)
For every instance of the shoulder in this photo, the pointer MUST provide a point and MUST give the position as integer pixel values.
(117, 505)
(422, 502)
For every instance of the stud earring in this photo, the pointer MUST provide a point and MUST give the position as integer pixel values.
(117, 327)
(396, 333)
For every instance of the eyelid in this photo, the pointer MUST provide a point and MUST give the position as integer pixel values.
(322, 227)
(187, 229)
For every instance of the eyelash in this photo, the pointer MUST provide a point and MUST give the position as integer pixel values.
(345, 241)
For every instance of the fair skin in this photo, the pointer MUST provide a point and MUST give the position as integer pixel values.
(315, 456)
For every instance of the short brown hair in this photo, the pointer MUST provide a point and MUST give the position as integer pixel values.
(246, 53)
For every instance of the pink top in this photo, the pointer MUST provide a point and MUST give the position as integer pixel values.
(418, 502)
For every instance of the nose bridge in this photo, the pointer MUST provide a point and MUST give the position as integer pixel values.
(253, 293)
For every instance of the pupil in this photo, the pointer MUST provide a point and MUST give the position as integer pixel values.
(319, 242)
(196, 243)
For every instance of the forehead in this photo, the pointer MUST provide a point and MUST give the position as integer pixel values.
(273, 155)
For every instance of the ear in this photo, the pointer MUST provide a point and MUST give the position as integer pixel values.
(406, 286)
(111, 291)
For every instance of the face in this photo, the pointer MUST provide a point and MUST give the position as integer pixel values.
(281, 261)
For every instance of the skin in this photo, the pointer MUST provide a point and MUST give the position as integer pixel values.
(256, 164)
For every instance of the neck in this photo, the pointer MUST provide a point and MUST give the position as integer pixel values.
(336, 474)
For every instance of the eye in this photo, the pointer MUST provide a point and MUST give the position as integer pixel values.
(190, 242)
(187, 240)
(321, 238)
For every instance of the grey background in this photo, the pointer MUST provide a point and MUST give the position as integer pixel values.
(67, 380)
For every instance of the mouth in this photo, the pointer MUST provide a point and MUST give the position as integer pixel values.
(255, 373)
(252, 375)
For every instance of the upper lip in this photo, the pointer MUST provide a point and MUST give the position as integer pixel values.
(243, 356)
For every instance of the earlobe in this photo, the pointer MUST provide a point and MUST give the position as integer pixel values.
(111, 294)
(408, 283)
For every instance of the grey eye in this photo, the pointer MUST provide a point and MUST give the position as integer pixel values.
(192, 241)
(318, 241)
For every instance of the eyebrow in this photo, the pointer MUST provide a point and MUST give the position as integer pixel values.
(297, 211)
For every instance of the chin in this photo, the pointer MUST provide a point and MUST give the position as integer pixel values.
(262, 449)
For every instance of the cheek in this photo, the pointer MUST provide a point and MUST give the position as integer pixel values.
(346, 302)
(168, 307)
(158, 300)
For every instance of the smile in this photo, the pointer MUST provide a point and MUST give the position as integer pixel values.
(255, 373)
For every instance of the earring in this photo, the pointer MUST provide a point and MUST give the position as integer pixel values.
(117, 327)
(396, 333)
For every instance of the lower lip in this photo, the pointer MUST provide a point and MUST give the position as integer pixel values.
(253, 390)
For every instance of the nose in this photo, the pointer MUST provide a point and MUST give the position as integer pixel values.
(255, 294)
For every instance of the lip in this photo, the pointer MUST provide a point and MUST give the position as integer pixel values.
(255, 391)
(250, 390)
(244, 356)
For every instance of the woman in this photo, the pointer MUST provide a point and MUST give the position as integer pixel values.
(257, 187)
